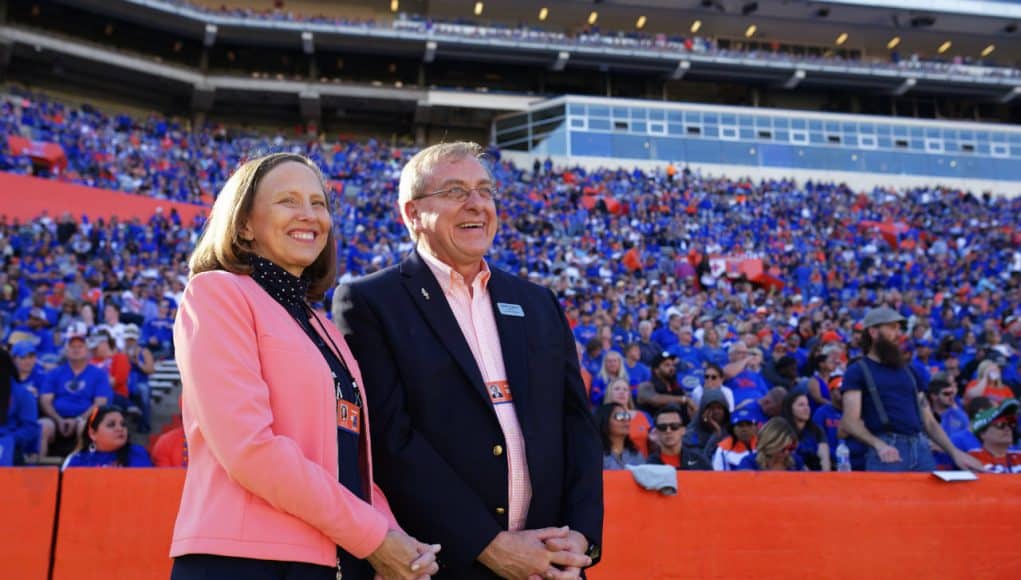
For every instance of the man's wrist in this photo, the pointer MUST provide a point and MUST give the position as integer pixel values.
(487, 557)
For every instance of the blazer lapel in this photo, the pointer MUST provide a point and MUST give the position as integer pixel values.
(513, 339)
(428, 296)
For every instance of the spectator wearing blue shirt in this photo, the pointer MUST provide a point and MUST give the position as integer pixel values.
(896, 443)
(637, 371)
(585, 330)
(105, 443)
(35, 321)
(685, 349)
(922, 361)
(592, 357)
(765, 407)
(624, 333)
(817, 385)
(72, 390)
(741, 379)
(795, 349)
(667, 336)
(37, 308)
(19, 431)
(158, 332)
(712, 351)
(966, 440)
(29, 375)
(943, 400)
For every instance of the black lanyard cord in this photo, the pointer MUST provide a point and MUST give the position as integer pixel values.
(334, 350)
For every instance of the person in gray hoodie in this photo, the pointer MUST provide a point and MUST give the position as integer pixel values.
(706, 430)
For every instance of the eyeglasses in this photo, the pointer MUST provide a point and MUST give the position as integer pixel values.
(668, 426)
(1002, 424)
(712, 377)
(948, 393)
(621, 416)
(460, 193)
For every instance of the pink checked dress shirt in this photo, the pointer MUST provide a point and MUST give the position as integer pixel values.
(473, 310)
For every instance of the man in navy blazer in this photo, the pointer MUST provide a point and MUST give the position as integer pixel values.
(482, 437)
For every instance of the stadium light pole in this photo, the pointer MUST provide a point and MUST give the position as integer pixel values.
(682, 69)
(562, 57)
(210, 38)
(1010, 95)
(795, 79)
(904, 87)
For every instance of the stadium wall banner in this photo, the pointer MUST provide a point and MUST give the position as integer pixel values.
(26, 198)
(751, 267)
(43, 152)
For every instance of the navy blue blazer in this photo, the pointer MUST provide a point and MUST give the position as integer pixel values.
(434, 429)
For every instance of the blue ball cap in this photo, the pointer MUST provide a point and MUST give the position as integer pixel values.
(23, 348)
(742, 415)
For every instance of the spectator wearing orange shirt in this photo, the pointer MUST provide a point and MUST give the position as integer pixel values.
(171, 449)
(988, 384)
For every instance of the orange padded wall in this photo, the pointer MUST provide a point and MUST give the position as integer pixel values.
(116, 523)
(28, 504)
(810, 525)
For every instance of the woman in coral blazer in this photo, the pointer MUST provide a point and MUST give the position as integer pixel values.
(279, 481)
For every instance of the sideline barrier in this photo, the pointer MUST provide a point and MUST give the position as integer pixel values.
(116, 523)
(26, 198)
(28, 504)
(810, 525)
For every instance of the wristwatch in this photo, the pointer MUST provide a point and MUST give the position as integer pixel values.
(594, 552)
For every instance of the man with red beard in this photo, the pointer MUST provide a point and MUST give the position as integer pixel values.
(884, 403)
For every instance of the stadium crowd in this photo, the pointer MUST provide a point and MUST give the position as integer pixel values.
(683, 361)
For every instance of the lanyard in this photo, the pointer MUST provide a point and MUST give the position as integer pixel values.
(331, 351)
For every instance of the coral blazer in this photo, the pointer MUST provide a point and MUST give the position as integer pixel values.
(259, 414)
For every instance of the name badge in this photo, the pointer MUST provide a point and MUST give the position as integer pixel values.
(499, 392)
(348, 417)
(510, 309)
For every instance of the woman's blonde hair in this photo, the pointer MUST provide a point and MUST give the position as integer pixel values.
(983, 368)
(774, 436)
(221, 246)
(621, 372)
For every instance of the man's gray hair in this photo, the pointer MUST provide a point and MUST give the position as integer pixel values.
(418, 169)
